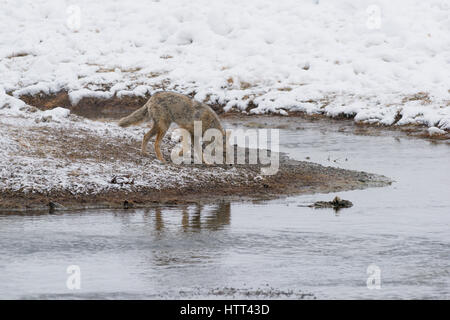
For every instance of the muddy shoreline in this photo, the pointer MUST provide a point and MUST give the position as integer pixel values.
(294, 177)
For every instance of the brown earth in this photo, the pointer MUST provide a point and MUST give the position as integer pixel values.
(294, 177)
(70, 144)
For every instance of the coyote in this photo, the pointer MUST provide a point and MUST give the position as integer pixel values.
(167, 107)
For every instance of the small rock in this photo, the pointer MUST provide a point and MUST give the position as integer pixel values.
(43, 119)
(52, 206)
(121, 180)
(337, 203)
(127, 205)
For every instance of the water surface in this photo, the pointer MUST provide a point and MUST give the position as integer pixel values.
(271, 249)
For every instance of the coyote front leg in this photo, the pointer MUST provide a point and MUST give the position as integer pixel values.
(198, 150)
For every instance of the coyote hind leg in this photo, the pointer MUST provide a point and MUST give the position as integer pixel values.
(154, 130)
(159, 136)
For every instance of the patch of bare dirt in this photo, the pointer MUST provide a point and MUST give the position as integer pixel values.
(91, 108)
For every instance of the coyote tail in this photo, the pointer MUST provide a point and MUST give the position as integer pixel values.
(135, 117)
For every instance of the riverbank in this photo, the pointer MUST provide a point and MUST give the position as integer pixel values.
(116, 107)
(54, 160)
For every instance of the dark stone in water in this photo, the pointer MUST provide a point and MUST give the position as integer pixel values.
(52, 206)
(337, 203)
(127, 205)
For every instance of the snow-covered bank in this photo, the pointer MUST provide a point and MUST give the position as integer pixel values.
(51, 151)
(388, 64)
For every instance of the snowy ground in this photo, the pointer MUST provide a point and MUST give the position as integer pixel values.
(388, 63)
(52, 151)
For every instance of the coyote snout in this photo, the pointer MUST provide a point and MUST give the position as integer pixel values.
(167, 107)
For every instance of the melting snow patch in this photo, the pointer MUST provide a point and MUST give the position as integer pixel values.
(57, 112)
(436, 131)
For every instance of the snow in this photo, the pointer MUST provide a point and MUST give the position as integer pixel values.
(57, 112)
(435, 131)
(321, 56)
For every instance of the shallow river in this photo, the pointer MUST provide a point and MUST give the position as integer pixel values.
(271, 249)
